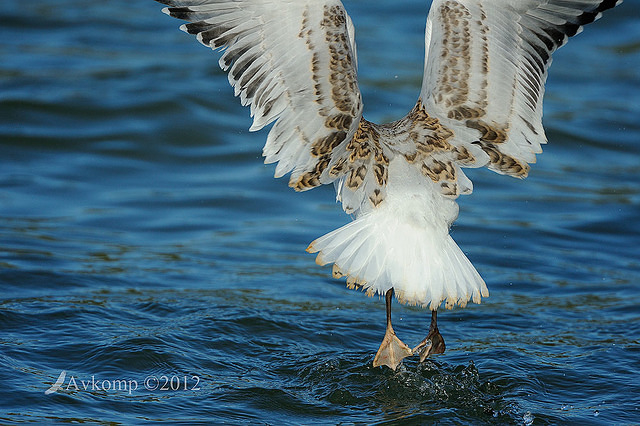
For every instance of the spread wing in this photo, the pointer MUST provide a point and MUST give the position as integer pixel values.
(292, 62)
(485, 69)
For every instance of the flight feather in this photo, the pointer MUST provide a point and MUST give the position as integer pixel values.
(486, 65)
(293, 62)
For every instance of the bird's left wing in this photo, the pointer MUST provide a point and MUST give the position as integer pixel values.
(293, 62)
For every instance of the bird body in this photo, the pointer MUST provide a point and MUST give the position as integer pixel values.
(402, 242)
(294, 63)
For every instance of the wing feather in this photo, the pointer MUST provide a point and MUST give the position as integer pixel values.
(293, 63)
(485, 69)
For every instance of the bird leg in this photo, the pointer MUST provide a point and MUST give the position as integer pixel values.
(392, 350)
(433, 343)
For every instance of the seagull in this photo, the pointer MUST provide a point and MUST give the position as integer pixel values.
(294, 63)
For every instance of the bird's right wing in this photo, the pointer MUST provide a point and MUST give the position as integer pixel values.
(485, 69)
(293, 62)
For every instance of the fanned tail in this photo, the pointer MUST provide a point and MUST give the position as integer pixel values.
(424, 265)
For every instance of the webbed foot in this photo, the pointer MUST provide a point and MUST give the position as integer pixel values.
(392, 350)
(433, 343)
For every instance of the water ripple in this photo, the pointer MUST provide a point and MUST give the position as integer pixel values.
(141, 237)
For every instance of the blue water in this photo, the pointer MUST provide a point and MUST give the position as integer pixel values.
(142, 238)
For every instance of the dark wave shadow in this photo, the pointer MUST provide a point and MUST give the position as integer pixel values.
(420, 392)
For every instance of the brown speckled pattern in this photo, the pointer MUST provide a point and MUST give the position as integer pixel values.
(343, 85)
(453, 89)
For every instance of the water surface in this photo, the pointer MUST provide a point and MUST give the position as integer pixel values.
(141, 237)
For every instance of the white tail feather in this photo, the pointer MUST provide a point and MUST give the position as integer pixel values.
(423, 264)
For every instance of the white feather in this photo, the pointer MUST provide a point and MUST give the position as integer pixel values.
(485, 68)
(404, 244)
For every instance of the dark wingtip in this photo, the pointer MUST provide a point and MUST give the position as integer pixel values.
(197, 27)
(590, 16)
(608, 4)
(183, 13)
